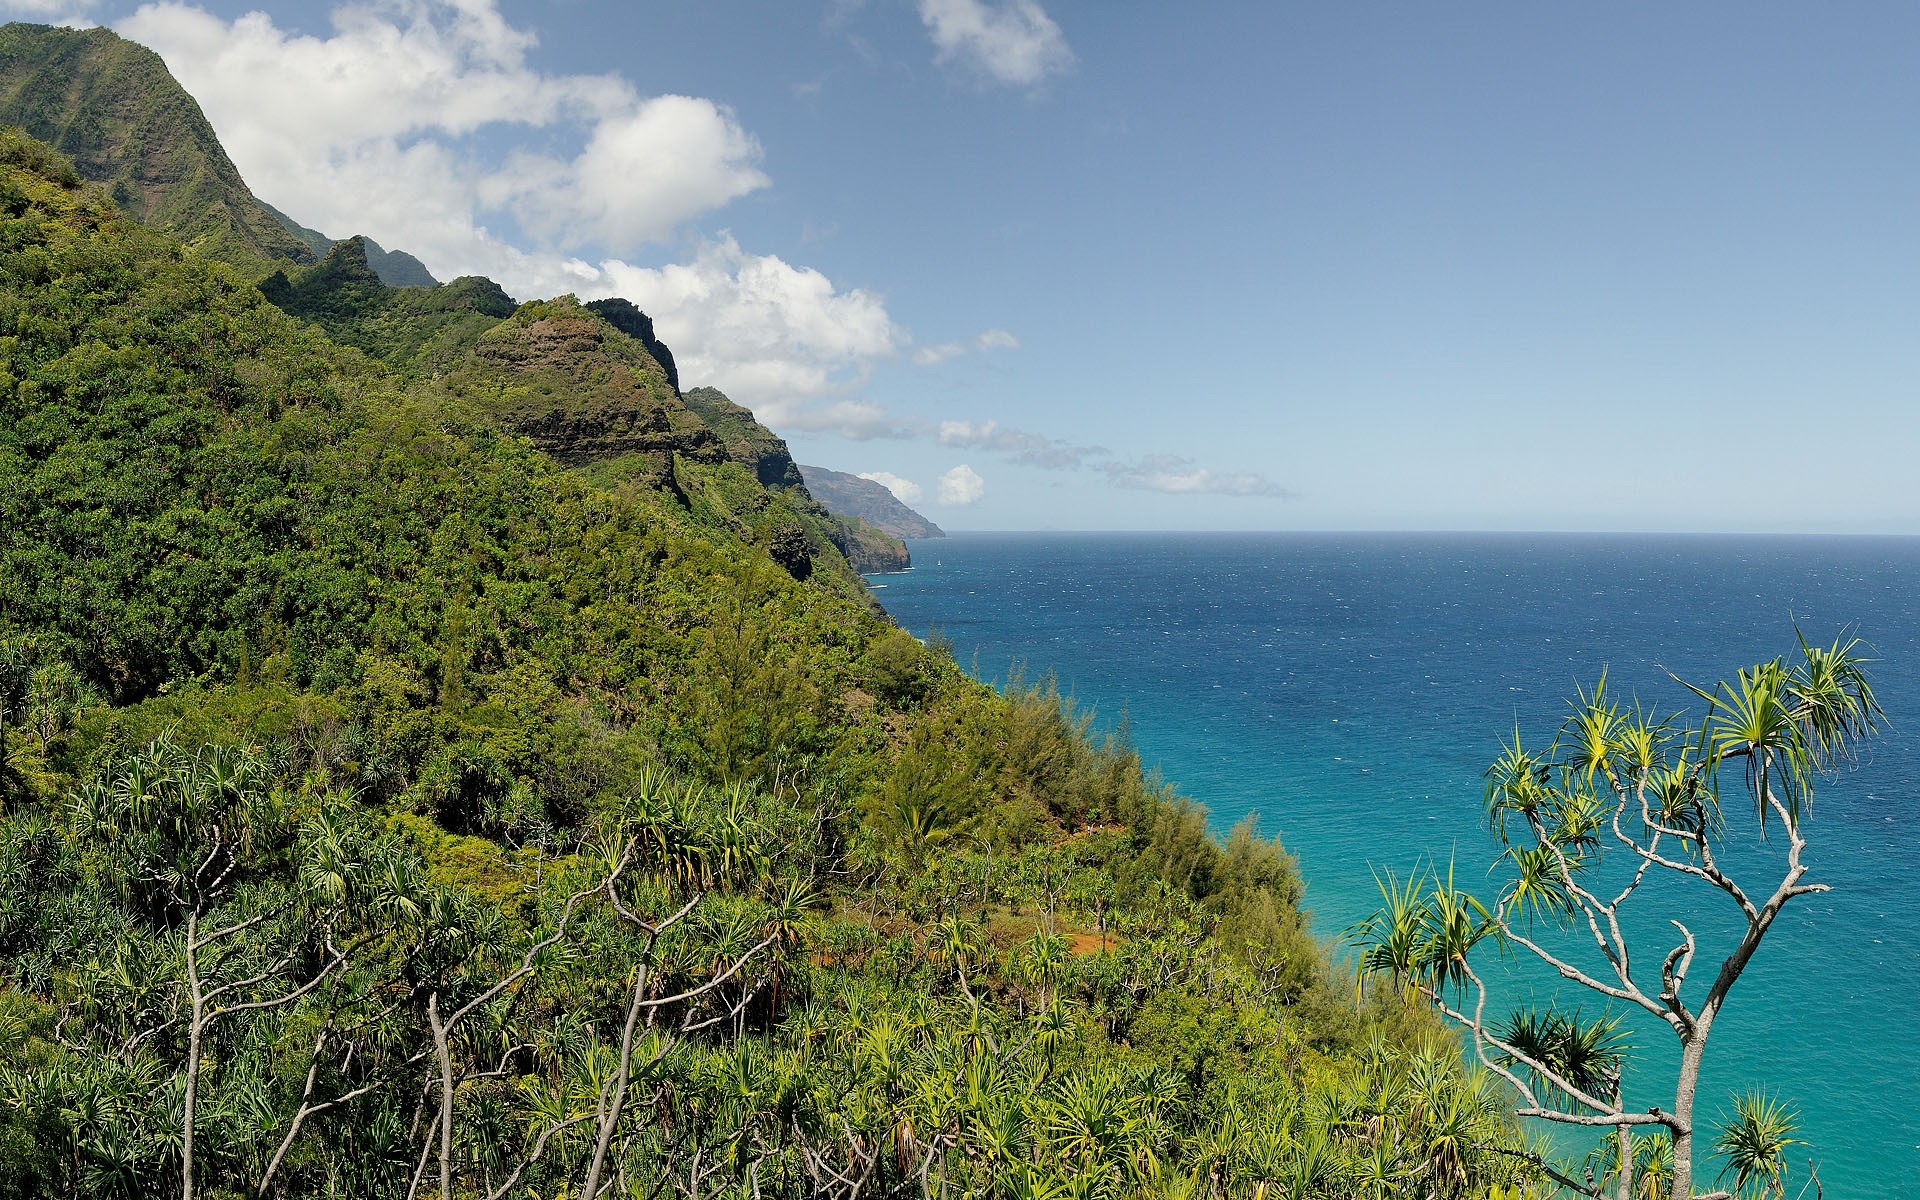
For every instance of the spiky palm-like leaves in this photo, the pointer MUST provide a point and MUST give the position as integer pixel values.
(1589, 1054)
(1754, 1142)
(1424, 933)
(1618, 784)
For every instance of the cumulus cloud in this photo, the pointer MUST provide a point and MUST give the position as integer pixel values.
(643, 172)
(392, 126)
(356, 127)
(906, 491)
(766, 332)
(962, 487)
(1013, 42)
(1031, 449)
(1182, 476)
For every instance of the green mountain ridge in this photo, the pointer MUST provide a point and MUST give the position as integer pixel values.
(396, 268)
(112, 107)
(439, 757)
(587, 385)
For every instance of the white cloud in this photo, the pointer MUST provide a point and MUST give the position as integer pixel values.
(641, 175)
(933, 356)
(1182, 476)
(997, 339)
(353, 130)
(1013, 42)
(392, 127)
(906, 491)
(962, 487)
(771, 335)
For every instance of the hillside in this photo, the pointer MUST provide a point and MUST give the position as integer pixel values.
(856, 498)
(112, 107)
(396, 268)
(479, 781)
(588, 384)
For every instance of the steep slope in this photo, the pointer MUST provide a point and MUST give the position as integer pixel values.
(628, 319)
(591, 386)
(765, 453)
(747, 440)
(396, 268)
(413, 330)
(856, 498)
(341, 722)
(584, 392)
(113, 108)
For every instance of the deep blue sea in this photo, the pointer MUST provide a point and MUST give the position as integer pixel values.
(1351, 690)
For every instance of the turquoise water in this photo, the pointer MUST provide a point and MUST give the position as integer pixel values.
(1350, 689)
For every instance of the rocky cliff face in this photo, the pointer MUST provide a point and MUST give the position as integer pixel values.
(747, 440)
(871, 550)
(628, 319)
(584, 392)
(113, 108)
(861, 499)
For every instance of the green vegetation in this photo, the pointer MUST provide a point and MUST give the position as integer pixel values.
(111, 106)
(395, 267)
(394, 803)
(1619, 804)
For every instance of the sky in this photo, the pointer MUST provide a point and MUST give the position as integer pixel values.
(1102, 264)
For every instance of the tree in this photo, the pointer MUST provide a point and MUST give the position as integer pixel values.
(1617, 804)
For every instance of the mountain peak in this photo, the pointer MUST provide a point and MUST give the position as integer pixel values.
(112, 107)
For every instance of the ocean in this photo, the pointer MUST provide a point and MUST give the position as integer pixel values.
(1351, 690)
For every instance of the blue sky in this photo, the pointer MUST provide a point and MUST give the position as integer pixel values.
(1221, 265)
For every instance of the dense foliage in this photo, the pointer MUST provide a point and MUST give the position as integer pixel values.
(388, 807)
(111, 106)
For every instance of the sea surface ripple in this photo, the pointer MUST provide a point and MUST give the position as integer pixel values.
(1351, 690)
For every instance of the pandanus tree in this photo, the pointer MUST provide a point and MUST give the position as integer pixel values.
(1617, 801)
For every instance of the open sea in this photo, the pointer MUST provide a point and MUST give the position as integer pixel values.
(1352, 688)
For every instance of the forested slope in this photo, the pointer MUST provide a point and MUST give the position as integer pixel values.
(113, 108)
(397, 804)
